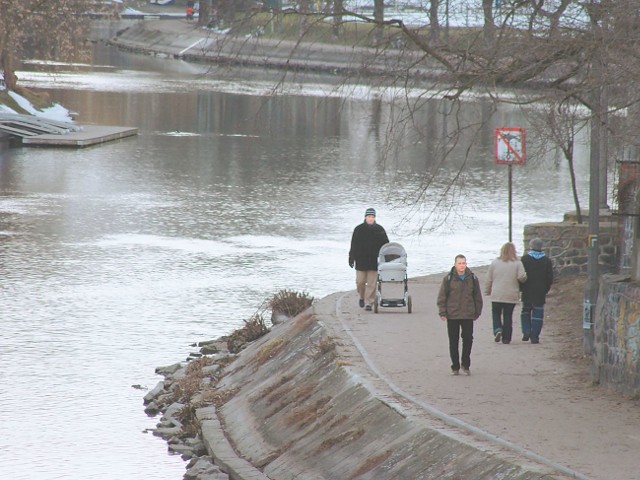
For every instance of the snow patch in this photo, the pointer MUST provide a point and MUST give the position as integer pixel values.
(55, 112)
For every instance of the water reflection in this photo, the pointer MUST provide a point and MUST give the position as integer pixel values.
(115, 258)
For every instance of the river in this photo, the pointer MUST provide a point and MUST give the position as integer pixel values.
(116, 258)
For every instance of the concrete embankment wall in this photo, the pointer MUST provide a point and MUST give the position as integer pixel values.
(303, 406)
(188, 42)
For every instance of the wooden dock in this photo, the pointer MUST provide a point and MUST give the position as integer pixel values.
(42, 132)
(89, 135)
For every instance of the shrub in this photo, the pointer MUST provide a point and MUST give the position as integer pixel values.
(253, 329)
(290, 303)
(186, 387)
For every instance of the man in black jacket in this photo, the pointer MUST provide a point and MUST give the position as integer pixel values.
(534, 291)
(366, 241)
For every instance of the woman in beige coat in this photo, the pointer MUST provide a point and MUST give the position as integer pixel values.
(503, 285)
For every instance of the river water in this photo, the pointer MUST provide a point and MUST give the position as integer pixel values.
(116, 258)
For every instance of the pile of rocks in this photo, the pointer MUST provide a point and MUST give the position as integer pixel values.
(181, 436)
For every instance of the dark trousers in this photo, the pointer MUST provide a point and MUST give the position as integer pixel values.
(531, 320)
(454, 329)
(502, 314)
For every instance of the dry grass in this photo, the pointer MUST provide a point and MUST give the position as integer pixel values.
(195, 366)
(325, 346)
(186, 387)
(345, 438)
(218, 397)
(343, 363)
(273, 387)
(303, 393)
(281, 406)
(190, 423)
(268, 351)
(307, 415)
(338, 421)
(301, 323)
(290, 302)
(253, 329)
(370, 463)
(563, 321)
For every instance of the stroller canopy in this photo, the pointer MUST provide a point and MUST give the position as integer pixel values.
(392, 252)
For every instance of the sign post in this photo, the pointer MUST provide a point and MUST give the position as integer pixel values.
(509, 149)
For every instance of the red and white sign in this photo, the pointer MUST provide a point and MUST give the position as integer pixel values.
(509, 145)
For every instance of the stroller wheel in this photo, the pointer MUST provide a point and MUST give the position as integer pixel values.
(409, 304)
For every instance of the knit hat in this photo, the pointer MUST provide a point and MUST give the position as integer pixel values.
(370, 211)
(535, 244)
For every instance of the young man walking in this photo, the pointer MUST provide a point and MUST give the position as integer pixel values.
(366, 241)
(460, 304)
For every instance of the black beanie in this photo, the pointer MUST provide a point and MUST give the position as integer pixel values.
(370, 211)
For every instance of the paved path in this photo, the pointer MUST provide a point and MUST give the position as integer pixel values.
(525, 394)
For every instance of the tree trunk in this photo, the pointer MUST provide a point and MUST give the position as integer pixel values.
(489, 28)
(434, 21)
(8, 70)
(204, 14)
(303, 24)
(378, 18)
(338, 8)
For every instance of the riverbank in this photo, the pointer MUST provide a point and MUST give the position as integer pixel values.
(343, 393)
(183, 39)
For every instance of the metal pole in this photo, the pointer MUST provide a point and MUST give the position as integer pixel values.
(593, 248)
(604, 149)
(510, 201)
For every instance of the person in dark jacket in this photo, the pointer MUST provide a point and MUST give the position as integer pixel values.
(366, 241)
(534, 291)
(460, 304)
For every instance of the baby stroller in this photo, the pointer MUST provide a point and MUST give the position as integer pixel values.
(392, 269)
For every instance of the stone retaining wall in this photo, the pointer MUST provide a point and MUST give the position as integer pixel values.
(616, 355)
(566, 243)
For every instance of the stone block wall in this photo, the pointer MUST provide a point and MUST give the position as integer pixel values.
(616, 355)
(566, 243)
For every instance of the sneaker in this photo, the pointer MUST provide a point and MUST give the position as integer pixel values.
(361, 302)
(466, 371)
(368, 308)
(498, 337)
(525, 338)
(455, 372)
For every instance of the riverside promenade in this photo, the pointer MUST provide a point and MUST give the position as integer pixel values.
(531, 398)
(530, 402)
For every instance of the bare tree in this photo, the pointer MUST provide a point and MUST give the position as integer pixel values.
(556, 127)
(48, 30)
(565, 52)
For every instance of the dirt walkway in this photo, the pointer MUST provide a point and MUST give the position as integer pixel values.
(538, 397)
